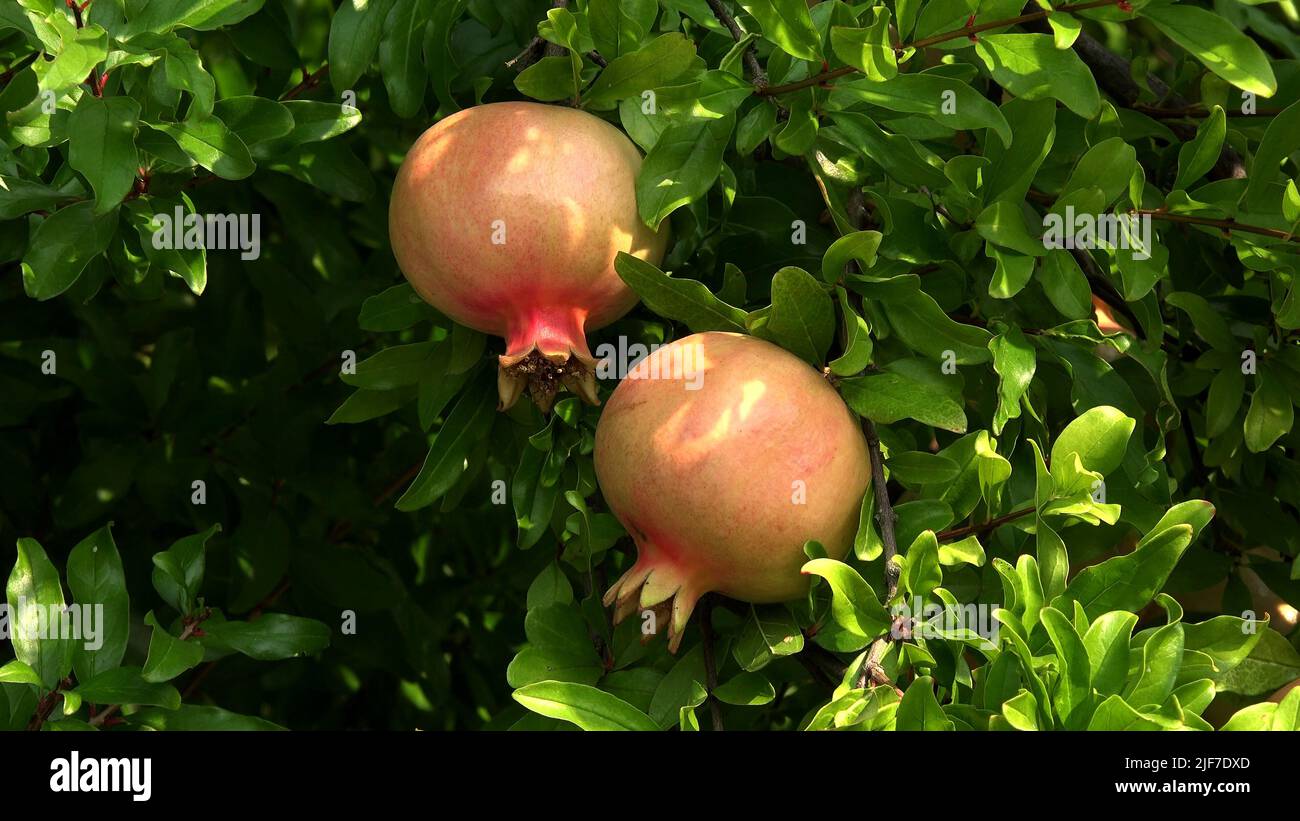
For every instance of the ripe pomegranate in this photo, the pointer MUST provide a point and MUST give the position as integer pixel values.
(722, 454)
(507, 217)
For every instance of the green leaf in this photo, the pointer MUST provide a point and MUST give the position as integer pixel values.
(1271, 412)
(168, 656)
(1031, 66)
(1115, 714)
(19, 196)
(550, 587)
(1272, 663)
(770, 632)
(209, 143)
(654, 64)
(1196, 158)
(1015, 360)
(867, 49)
(687, 301)
(916, 467)
(1162, 656)
(549, 79)
(681, 167)
(583, 705)
(126, 685)
(854, 606)
(62, 246)
(1127, 582)
(1003, 223)
(1222, 48)
(97, 582)
(34, 595)
(787, 24)
(19, 672)
(102, 146)
(272, 637)
(1208, 323)
(1075, 684)
(393, 367)
(200, 15)
(896, 154)
(467, 423)
(802, 319)
(354, 37)
(192, 717)
(81, 50)
(860, 247)
(178, 571)
(1099, 435)
(920, 710)
(394, 309)
(1281, 139)
(746, 690)
(1021, 711)
(921, 572)
(888, 397)
(401, 59)
(926, 328)
(945, 100)
(619, 26)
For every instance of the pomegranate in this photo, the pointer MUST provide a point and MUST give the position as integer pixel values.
(507, 217)
(722, 455)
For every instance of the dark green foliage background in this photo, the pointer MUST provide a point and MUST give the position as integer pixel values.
(172, 369)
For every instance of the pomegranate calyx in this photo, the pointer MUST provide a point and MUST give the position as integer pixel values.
(543, 375)
(657, 586)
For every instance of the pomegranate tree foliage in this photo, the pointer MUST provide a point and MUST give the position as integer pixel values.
(871, 186)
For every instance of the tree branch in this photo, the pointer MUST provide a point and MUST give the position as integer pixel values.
(958, 533)
(756, 73)
(710, 664)
(309, 81)
(1225, 225)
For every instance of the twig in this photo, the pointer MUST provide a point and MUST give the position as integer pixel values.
(756, 73)
(1225, 225)
(872, 671)
(885, 515)
(710, 664)
(957, 533)
(309, 81)
(17, 67)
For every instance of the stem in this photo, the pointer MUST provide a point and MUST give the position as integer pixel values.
(309, 81)
(1225, 225)
(756, 73)
(872, 672)
(968, 30)
(710, 664)
(957, 533)
(885, 515)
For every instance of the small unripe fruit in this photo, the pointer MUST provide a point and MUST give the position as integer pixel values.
(723, 454)
(507, 217)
